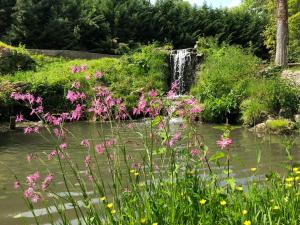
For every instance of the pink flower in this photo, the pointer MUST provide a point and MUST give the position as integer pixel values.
(83, 67)
(39, 100)
(28, 130)
(141, 106)
(87, 160)
(28, 192)
(130, 125)
(76, 114)
(176, 137)
(47, 181)
(19, 118)
(35, 198)
(76, 85)
(100, 149)
(75, 69)
(171, 95)
(87, 77)
(17, 185)
(52, 154)
(72, 96)
(224, 142)
(98, 74)
(195, 152)
(63, 146)
(152, 93)
(32, 178)
(85, 143)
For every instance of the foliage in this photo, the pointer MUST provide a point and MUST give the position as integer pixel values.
(14, 59)
(222, 82)
(145, 69)
(231, 87)
(277, 124)
(109, 25)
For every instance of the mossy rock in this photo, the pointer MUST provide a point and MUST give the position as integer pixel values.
(280, 126)
(14, 59)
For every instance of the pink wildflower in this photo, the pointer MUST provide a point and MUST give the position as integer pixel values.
(195, 152)
(83, 67)
(98, 74)
(100, 149)
(47, 181)
(63, 146)
(52, 154)
(224, 142)
(17, 185)
(152, 93)
(28, 192)
(85, 143)
(28, 130)
(87, 160)
(75, 69)
(19, 118)
(35, 197)
(76, 85)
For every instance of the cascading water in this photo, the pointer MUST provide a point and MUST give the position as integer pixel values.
(183, 67)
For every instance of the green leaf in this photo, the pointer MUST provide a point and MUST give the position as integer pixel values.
(217, 156)
(156, 121)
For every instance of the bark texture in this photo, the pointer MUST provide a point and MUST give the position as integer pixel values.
(281, 58)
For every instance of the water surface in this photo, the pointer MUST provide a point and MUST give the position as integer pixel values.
(14, 147)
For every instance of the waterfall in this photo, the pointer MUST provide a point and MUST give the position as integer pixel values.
(183, 67)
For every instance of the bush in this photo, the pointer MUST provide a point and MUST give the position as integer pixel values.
(14, 59)
(222, 81)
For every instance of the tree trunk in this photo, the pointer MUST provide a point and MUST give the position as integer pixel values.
(281, 58)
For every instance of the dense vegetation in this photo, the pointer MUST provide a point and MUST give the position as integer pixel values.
(234, 85)
(145, 69)
(115, 26)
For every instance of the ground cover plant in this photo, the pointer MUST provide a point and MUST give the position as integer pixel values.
(177, 179)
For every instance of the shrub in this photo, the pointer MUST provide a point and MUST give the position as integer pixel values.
(253, 111)
(222, 81)
(14, 59)
(277, 124)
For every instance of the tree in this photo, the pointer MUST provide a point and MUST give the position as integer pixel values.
(281, 58)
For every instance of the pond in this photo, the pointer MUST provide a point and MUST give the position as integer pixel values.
(14, 147)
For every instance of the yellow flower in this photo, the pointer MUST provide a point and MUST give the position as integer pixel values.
(297, 178)
(154, 223)
(132, 171)
(202, 201)
(276, 207)
(244, 212)
(110, 205)
(247, 222)
(297, 172)
(136, 174)
(288, 185)
(295, 169)
(223, 202)
(289, 179)
(143, 220)
(113, 211)
(240, 188)
(103, 198)
(286, 199)
(253, 169)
